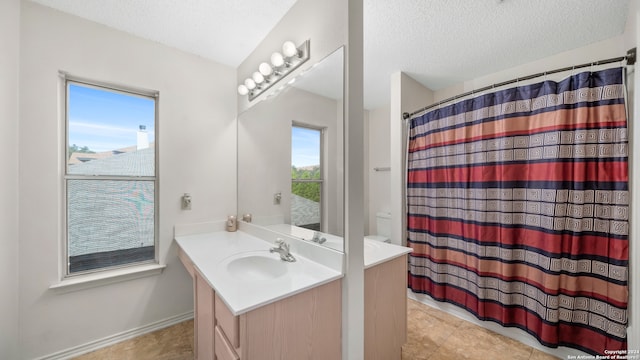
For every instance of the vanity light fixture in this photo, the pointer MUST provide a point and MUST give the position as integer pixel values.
(265, 69)
(281, 64)
(289, 49)
(258, 77)
(242, 90)
(250, 84)
(277, 59)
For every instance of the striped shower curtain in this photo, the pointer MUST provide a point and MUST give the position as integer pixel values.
(518, 209)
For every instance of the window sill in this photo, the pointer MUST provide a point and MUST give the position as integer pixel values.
(88, 281)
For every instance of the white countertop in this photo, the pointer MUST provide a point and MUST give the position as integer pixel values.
(208, 252)
(375, 252)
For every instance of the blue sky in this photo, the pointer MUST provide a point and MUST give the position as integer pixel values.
(305, 147)
(105, 120)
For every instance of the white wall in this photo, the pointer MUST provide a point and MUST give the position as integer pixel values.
(366, 204)
(378, 155)
(337, 212)
(407, 95)
(197, 154)
(609, 48)
(353, 283)
(9, 67)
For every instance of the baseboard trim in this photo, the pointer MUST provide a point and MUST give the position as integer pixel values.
(512, 332)
(116, 338)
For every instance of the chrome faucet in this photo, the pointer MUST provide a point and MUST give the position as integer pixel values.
(316, 238)
(283, 250)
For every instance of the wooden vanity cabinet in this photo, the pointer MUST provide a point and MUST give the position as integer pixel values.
(204, 307)
(227, 333)
(204, 320)
(385, 309)
(302, 326)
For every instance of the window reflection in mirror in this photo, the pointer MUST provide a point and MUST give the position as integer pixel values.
(281, 191)
(306, 177)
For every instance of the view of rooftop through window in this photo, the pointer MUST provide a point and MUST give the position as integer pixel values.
(110, 177)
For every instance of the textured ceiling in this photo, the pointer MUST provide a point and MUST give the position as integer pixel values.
(443, 42)
(437, 42)
(222, 30)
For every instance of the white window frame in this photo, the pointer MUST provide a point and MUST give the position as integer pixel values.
(124, 271)
(321, 181)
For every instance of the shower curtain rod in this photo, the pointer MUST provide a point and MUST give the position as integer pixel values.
(630, 58)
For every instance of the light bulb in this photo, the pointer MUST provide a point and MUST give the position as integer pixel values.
(258, 78)
(277, 60)
(289, 49)
(243, 90)
(250, 84)
(265, 69)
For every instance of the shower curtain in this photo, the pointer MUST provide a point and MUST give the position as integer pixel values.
(518, 209)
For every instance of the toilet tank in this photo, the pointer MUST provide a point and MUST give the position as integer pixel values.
(383, 224)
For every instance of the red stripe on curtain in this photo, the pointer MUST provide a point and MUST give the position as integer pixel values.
(551, 242)
(587, 117)
(418, 147)
(602, 171)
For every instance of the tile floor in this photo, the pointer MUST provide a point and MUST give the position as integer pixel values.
(432, 335)
(172, 343)
(435, 335)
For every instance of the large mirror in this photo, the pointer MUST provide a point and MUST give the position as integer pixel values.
(290, 156)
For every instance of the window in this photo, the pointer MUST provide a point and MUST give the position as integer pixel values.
(110, 176)
(306, 177)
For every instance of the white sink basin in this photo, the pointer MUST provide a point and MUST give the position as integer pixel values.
(255, 266)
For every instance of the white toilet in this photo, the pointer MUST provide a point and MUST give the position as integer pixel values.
(383, 228)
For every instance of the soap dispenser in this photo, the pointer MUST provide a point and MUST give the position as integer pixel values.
(232, 224)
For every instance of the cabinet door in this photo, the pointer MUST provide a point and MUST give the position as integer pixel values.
(224, 350)
(385, 310)
(305, 326)
(204, 319)
(227, 322)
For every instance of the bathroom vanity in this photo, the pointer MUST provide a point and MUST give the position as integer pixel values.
(303, 326)
(249, 304)
(385, 307)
